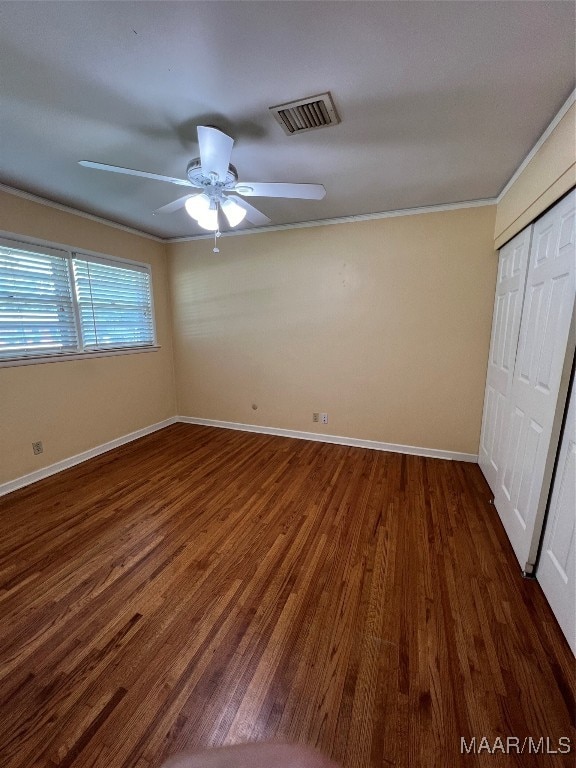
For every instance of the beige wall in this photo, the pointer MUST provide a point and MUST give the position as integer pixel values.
(384, 324)
(549, 174)
(73, 406)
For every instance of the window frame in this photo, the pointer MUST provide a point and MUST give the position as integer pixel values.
(9, 240)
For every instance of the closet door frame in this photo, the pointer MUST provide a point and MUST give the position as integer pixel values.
(516, 477)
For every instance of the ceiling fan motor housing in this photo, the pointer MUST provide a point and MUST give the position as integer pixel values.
(199, 179)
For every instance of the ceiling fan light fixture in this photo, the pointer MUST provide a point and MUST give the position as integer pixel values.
(197, 206)
(209, 219)
(233, 212)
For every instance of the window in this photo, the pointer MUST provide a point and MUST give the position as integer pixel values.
(57, 302)
(113, 304)
(36, 306)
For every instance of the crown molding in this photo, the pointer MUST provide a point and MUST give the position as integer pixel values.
(341, 220)
(563, 110)
(253, 230)
(77, 212)
(315, 222)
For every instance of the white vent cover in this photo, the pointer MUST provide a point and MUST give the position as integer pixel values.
(306, 114)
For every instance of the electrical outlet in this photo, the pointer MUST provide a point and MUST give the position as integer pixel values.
(324, 418)
(37, 447)
(316, 417)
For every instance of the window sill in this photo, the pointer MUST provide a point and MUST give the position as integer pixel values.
(68, 356)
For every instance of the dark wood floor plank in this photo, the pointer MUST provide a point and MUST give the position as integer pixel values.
(201, 587)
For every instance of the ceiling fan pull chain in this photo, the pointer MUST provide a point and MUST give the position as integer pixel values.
(216, 235)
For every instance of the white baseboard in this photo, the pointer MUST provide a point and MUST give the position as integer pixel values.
(374, 445)
(52, 469)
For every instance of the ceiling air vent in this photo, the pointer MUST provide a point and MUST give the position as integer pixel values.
(306, 114)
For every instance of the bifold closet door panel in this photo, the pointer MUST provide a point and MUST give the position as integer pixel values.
(540, 381)
(557, 567)
(510, 283)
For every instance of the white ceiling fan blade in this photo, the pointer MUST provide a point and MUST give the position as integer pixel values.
(175, 204)
(215, 151)
(131, 172)
(273, 189)
(253, 215)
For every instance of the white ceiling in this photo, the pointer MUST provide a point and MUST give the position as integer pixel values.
(439, 101)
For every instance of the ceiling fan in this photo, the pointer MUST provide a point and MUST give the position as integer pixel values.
(217, 179)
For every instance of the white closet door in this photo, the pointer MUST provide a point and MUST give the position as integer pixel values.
(557, 567)
(540, 381)
(512, 268)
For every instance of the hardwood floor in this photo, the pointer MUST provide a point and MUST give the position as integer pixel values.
(204, 587)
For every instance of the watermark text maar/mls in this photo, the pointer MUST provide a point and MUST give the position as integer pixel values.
(515, 745)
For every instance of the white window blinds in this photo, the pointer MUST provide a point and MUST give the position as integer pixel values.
(57, 302)
(36, 306)
(114, 304)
